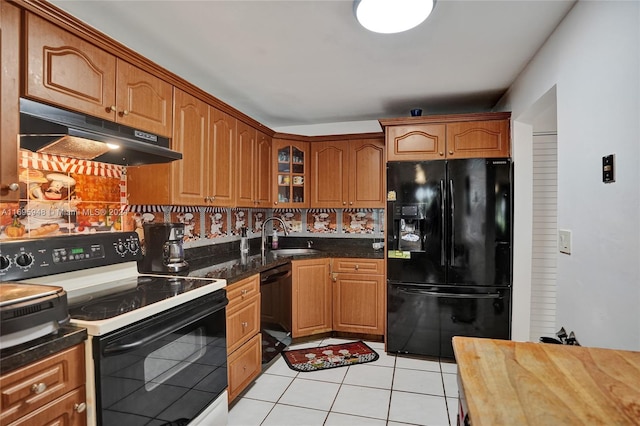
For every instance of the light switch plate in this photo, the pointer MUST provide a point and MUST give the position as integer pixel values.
(564, 241)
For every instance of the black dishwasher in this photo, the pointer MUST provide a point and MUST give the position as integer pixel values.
(275, 311)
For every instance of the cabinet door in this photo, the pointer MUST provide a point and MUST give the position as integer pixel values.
(263, 171)
(290, 174)
(243, 322)
(415, 142)
(245, 170)
(244, 365)
(478, 139)
(311, 305)
(358, 303)
(222, 132)
(65, 70)
(143, 100)
(190, 136)
(9, 84)
(329, 173)
(366, 173)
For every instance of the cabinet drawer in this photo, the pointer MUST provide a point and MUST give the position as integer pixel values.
(66, 410)
(244, 365)
(29, 388)
(242, 291)
(358, 265)
(243, 322)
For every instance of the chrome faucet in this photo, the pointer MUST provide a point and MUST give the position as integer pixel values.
(263, 240)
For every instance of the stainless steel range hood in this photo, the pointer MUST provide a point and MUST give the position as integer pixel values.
(52, 130)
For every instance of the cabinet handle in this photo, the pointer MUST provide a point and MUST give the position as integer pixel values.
(79, 408)
(112, 108)
(334, 277)
(245, 324)
(275, 202)
(357, 267)
(124, 112)
(38, 388)
(244, 292)
(11, 187)
(350, 203)
(441, 153)
(450, 152)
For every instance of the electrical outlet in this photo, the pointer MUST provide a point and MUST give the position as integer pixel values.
(564, 241)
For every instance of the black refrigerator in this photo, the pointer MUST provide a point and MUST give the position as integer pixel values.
(449, 253)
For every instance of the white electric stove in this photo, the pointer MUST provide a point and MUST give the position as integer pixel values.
(157, 344)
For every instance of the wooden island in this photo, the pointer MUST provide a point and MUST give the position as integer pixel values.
(503, 382)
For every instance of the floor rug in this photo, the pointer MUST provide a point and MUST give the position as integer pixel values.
(330, 356)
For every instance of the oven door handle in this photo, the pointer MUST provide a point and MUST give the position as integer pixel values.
(118, 348)
(454, 295)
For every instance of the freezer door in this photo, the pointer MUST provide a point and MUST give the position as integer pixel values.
(422, 320)
(415, 221)
(479, 222)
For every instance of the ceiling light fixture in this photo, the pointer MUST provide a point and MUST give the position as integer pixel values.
(392, 16)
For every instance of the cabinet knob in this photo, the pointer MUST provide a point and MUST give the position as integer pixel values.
(344, 203)
(38, 388)
(245, 324)
(450, 152)
(112, 108)
(79, 408)
(124, 113)
(441, 153)
(357, 267)
(11, 187)
(275, 202)
(350, 203)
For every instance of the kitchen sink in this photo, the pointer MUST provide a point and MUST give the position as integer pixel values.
(295, 252)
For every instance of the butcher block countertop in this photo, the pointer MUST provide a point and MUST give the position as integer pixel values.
(518, 383)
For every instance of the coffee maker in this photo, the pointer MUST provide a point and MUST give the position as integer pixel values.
(164, 253)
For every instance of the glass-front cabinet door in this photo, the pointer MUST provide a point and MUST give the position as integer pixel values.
(290, 180)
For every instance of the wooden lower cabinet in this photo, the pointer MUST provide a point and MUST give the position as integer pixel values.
(244, 342)
(311, 298)
(358, 296)
(244, 365)
(50, 391)
(342, 294)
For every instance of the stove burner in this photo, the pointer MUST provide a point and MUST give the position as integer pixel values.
(125, 296)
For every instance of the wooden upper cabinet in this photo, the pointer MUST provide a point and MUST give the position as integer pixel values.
(478, 139)
(65, 70)
(480, 135)
(329, 173)
(290, 175)
(366, 173)
(222, 131)
(245, 170)
(191, 137)
(9, 94)
(142, 100)
(415, 143)
(347, 173)
(263, 170)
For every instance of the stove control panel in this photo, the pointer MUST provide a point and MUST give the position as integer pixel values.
(32, 258)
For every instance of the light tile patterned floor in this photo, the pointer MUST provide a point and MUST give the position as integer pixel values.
(392, 391)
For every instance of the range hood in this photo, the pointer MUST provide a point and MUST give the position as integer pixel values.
(51, 130)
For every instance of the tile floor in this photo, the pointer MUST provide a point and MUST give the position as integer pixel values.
(392, 391)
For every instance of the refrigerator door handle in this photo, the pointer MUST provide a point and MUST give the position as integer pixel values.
(453, 223)
(453, 295)
(443, 256)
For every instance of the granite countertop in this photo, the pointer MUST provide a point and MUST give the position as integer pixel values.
(232, 267)
(34, 350)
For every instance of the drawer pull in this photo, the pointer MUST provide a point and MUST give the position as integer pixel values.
(79, 408)
(357, 267)
(245, 324)
(38, 388)
(244, 292)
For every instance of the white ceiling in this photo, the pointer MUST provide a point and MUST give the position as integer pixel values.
(308, 62)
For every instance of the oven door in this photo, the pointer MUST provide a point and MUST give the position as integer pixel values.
(164, 370)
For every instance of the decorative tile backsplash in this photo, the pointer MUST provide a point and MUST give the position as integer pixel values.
(64, 196)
